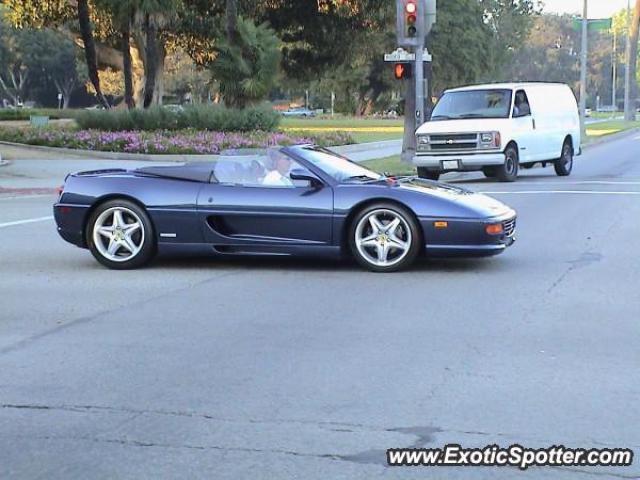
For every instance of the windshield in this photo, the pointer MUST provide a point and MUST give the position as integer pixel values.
(337, 167)
(473, 104)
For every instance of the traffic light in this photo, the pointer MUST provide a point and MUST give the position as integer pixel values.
(411, 18)
(415, 18)
(402, 71)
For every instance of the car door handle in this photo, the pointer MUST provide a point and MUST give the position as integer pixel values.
(533, 122)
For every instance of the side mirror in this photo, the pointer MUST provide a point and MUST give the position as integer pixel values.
(299, 175)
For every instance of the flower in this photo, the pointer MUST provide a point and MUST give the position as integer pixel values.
(183, 142)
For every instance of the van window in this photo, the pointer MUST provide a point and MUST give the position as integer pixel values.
(521, 107)
(490, 103)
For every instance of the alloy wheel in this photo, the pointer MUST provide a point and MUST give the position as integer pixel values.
(118, 234)
(383, 238)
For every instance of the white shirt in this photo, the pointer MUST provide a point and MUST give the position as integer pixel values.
(275, 179)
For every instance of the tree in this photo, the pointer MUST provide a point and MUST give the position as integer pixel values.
(122, 14)
(52, 57)
(86, 33)
(247, 63)
(14, 72)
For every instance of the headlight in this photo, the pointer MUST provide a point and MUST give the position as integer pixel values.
(423, 140)
(487, 138)
(490, 139)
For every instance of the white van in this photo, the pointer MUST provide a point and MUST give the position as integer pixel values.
(498, 128)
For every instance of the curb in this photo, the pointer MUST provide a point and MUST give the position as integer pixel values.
(141, 157)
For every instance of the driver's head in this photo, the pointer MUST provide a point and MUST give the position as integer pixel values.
(281, 162)
(283, 165)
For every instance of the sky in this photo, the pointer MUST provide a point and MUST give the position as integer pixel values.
(596, 8)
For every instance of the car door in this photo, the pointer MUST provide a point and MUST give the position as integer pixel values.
(524, 127)
(248, 213)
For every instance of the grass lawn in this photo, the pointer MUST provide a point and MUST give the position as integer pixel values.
(391, 165)
(394, 166)
(363, 130)
(598, 130)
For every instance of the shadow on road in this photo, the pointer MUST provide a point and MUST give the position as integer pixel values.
(299, 264)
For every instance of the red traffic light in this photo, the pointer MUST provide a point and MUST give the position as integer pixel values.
(402, 71)
(411, 17)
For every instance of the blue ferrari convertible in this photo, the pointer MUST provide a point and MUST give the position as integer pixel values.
(301, 200)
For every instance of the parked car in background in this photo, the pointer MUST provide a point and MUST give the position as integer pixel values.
(299, 112)
(588, 112)
(499, 128)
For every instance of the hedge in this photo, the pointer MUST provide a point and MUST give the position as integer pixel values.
(197, 117)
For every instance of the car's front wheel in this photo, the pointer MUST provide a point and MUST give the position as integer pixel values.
(385, 237)
(120, 235)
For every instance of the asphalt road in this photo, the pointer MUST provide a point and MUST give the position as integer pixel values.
(300, 369)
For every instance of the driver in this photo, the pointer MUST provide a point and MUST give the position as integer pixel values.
(279, 176)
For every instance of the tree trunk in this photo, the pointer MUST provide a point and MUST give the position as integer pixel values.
(630, 113)
(159, 74)
(125, 44)
(90, 50)
(231, 18)
(152, 60)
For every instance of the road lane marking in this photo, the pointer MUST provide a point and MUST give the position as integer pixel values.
(578, 192)
(25, 197)
(24, 222)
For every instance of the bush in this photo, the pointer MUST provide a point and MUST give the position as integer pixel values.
(198, 117)
(25, 113)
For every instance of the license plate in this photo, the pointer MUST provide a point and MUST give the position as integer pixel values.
(450, 164)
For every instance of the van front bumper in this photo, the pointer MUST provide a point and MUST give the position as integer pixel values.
(465, 161)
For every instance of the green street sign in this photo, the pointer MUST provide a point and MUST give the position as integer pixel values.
(594, 25)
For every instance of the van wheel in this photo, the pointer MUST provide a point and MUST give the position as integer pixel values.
(508, 172)
(564, 164)
(489, 172)
(424, 172)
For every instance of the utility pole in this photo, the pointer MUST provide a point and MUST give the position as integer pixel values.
(628, 111)
(583, 70)
(614, 62)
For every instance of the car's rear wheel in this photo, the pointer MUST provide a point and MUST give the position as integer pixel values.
(424, 172)
(385, 237)
(564, 164)
(120, 235)
(508, 172)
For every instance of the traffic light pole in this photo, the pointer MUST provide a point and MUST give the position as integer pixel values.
(420, 86)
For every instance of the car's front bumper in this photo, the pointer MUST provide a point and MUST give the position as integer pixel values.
(465, 161)
(468, 237)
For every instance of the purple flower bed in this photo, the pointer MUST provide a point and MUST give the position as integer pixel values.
(165, 142)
